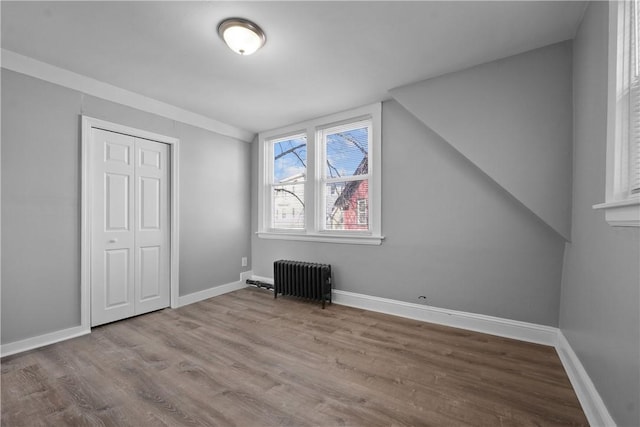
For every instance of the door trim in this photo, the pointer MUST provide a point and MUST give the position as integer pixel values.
(89, 123)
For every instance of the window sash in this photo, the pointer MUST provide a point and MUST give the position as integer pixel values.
(324, 181)
(622, 191)
(634, 96)
(297, 204)
(314, 210)
(342, 214)
(625, 173)
(273, 221)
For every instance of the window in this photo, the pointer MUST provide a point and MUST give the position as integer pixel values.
(622, 205)
(326, 173)
(345, 177)
(288, 173)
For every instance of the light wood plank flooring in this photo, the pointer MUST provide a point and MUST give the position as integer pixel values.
(245, 359)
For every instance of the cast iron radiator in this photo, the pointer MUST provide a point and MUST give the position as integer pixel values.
(302, 279)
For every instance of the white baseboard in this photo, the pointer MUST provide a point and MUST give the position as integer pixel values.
(523, 331)
(246, 275)
(76, 331)
(42, 340)
(215, 291)
(592, 404)
(515, 329)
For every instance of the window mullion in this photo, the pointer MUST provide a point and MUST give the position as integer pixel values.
(267, 220)
(311, 187)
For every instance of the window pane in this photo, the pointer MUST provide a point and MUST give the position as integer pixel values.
(634, 120)
(289, 159)
(347, 205)
(347, 153)
(288, 206)
(635, 29)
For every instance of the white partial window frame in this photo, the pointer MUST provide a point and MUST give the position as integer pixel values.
(270, 209)
(622, 196)
(314, 186)
(323, 180)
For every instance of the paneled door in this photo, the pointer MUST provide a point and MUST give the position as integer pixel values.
(130, 247)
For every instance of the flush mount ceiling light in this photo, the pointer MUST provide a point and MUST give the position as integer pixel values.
(242, 36)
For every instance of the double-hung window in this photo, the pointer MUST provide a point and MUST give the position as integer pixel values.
(320, 180)
(344, 181)
(289, 171)
(622, 205)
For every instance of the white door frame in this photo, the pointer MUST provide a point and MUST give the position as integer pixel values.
(86, 215)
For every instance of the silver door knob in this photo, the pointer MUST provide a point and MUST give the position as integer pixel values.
(113, 240)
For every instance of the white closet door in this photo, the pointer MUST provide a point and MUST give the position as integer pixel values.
(130, 239)
(112, 237)
(152, 232)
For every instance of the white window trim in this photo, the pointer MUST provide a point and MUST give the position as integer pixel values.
(621, 208)
(314, 222)
(322, 180)
(267, 146)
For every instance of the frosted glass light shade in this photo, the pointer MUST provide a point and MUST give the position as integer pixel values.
(242, 36)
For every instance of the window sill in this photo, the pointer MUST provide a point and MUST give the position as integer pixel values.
(622, 213)
(324, 238)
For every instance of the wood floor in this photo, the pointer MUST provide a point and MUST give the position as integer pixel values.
(243, 359)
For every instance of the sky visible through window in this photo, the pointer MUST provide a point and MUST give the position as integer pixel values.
(290, 158)
(345, 152)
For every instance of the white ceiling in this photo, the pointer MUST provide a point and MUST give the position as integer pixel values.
(320, 57)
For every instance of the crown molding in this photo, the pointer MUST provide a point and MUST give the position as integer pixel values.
(31, 67)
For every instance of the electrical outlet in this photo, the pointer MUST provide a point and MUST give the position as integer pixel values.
(244, 261)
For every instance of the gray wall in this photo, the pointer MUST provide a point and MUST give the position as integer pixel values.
(452, 234)
(41, 202)
(599, 311)
(511, 118)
